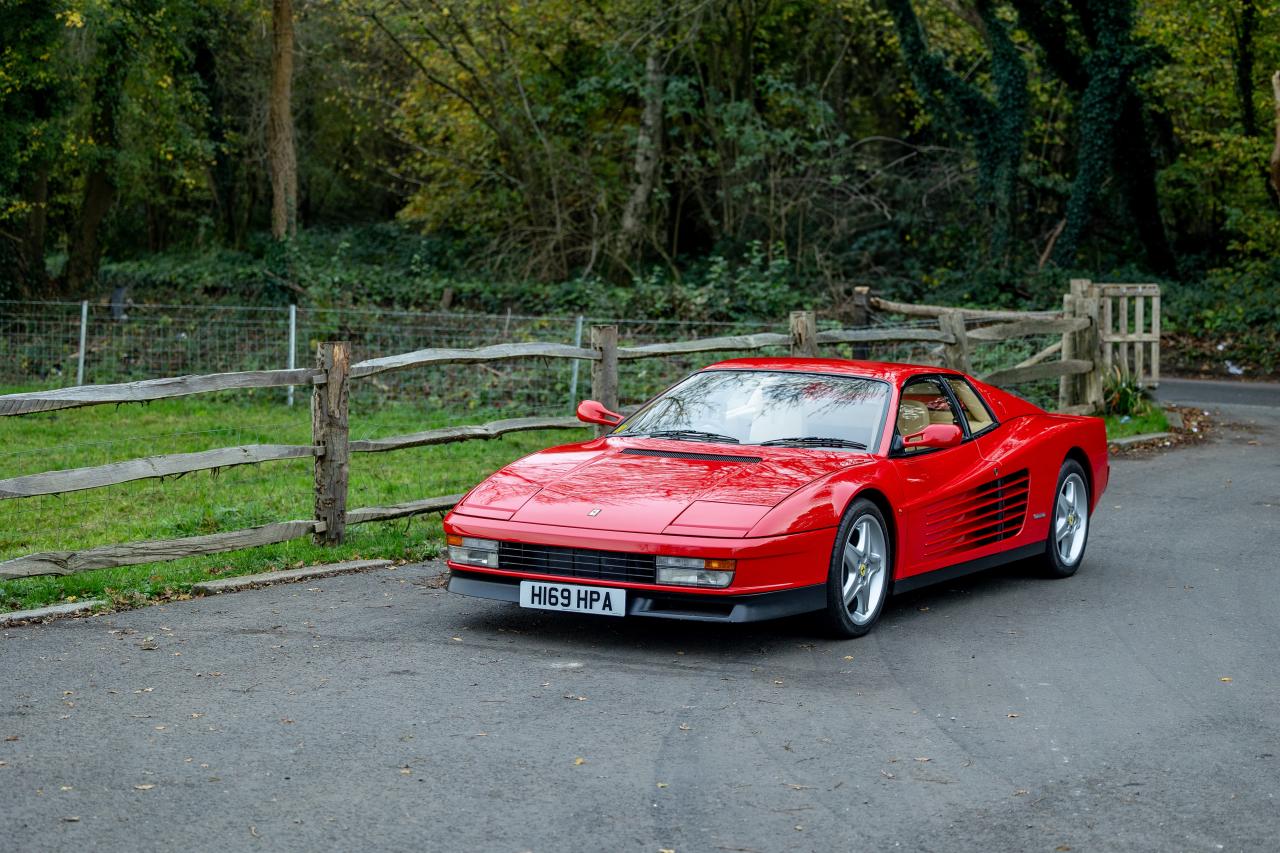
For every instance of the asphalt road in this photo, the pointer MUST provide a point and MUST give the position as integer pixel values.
(1133, 707)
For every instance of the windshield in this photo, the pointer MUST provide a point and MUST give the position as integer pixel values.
(767, 407)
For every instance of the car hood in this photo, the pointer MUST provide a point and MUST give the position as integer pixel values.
(649, 486)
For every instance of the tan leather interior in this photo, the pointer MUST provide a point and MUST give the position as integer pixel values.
(913, 416)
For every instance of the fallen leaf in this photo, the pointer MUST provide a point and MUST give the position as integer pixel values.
(574, 696)
(777, 681)
(11, 738)
(1062, 848)
(799, 787)
(1021, 792)
(1013, 716)
(147, 787)
(684, 727)
(456, 639)
(405, 771)
(578, 762)
(924, 759)
(72, 818)
(662, 784)
(666, 850)
(924, 609)
(1226, 679)
(65, 788)
(286, 720)
(848, 657)
(887, 775)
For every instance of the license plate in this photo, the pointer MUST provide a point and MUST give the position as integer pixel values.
(573, 598)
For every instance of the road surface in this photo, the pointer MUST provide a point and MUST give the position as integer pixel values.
(1132, 707)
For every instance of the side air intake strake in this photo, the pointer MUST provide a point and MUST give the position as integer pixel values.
(990, 513)
(682, 454)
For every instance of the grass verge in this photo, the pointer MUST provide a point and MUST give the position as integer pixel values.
(1153, 420)
(212, 502)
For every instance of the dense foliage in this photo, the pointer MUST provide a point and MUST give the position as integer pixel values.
(708, 158)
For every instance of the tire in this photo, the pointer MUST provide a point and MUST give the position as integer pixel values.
(1069, 529)
(860, 573)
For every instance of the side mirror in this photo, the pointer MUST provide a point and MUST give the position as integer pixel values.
(591, 412)
(935, 435)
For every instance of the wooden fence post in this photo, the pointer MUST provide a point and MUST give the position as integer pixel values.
(329, 430)
(804, 334)
(1089, 346)
(955, 355)
(1070, 390)
(861, 319)
(604, 370)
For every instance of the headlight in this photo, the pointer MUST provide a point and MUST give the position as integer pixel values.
(695, 571)
(473, 552)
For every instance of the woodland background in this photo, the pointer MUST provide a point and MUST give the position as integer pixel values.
(708, 159)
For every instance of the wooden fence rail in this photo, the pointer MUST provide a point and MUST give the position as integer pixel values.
(173, 464)
(1079, 366)
(151, 389)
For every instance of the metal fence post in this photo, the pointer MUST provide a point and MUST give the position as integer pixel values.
(329, 431)
(84, 330)
(293, 343)
(573, 375)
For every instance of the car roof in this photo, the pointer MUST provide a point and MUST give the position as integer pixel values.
(888, 371)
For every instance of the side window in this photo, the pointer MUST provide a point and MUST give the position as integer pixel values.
(971, 405)
(923, 402)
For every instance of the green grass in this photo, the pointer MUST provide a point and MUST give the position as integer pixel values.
(1153, 420)
(208, 502)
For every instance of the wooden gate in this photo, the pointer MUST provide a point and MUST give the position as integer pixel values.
(1129, 330)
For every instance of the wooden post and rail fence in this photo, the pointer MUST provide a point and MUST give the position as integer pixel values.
(1095, 337)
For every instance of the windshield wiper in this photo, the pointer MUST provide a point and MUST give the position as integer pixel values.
(684, 435)
(813, 441)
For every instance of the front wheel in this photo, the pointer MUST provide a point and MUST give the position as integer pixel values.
(858, 579)
(1069, 532)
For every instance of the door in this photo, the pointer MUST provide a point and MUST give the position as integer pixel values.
(944, 515)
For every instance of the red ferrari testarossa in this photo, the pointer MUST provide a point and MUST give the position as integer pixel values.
(764, 487)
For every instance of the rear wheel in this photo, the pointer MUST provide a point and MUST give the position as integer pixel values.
(858, 579)
(1069, 530)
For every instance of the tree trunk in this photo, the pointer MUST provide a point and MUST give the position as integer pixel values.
(1275, 152)
(85, 249)
(32, 278)
(648, 151)
(280, 151)
(1242, 60)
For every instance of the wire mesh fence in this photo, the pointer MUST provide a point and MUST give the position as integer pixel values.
(40, 348)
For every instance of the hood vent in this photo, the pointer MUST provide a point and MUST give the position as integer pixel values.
(682, 454)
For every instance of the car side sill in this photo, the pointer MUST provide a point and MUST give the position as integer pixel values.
(959, 570)
(690, 607)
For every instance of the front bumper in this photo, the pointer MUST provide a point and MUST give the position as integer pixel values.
(765, 564)
(667, 603)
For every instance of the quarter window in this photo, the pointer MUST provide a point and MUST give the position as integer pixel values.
(971, 405)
